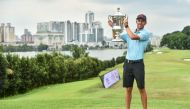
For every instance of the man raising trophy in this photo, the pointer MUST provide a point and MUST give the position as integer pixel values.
(133, 68)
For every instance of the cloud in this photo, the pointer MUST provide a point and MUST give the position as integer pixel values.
(163, 16)
(105, 2)
(187, 2)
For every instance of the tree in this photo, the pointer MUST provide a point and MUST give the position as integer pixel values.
(165, 40)
(103, 43)
(42, 61)
(149, 47)
(3, 75)
(176, 40)
(186, 30)
(1, 48)
(78, 52)
(120, 59)
(53, 70)
(13, 74)
(71, 72)
(113, 62)
(68, 47)
(25, 76)
(42, 47)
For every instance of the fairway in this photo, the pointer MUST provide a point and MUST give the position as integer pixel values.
(167, 85)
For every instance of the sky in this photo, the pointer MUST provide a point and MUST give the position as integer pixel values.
(163, 16)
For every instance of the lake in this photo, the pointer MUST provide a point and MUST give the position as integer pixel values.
(107, 54)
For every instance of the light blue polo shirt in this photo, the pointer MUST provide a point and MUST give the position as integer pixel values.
(136, 48)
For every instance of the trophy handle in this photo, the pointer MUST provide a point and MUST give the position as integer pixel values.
(109, 17)
(125, 17)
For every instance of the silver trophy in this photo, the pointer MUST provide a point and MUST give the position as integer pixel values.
(117, 26)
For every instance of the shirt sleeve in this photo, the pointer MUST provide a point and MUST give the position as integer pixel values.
(124, 36)
(144, 35)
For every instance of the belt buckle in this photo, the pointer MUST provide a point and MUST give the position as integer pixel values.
(128, 61)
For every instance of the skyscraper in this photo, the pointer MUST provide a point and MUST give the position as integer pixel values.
(50, 33)
(67, 31)
(98, 31)
(83, 32)
(89, 18)
(7, 33)
(94, 32)
(52, 27)
(27, 37)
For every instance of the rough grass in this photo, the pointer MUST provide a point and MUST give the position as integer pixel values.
(167, 85)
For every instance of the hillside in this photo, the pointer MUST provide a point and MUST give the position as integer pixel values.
(167, 83)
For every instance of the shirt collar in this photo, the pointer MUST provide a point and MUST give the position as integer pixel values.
(136, 31)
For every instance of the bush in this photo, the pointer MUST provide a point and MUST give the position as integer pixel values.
(19, 75)
(120, 59)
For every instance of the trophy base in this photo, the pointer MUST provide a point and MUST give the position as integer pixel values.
(117, 40)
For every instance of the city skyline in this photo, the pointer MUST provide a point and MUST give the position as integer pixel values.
(163, 16)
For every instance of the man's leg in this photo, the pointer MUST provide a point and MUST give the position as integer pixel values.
(128, 96)
(143, 97)
(128, 79)
(139, 74)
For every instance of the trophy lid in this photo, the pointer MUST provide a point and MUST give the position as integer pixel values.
(118, 13)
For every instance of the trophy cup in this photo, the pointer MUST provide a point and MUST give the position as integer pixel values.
(117, 26)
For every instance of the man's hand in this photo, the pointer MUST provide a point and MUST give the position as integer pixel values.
(110, 23)
(125, 23)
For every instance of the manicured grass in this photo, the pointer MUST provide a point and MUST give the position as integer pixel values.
(167, 84)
